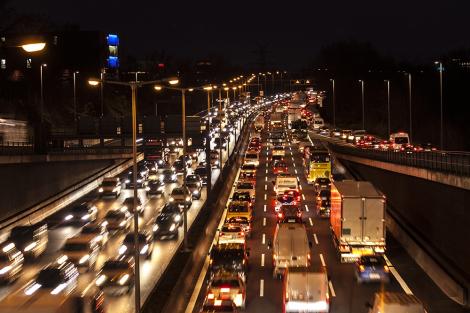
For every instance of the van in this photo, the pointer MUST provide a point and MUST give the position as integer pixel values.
(398, 140)
(31, 240)
(285, 182)
(291, 247)
(305, 291)
(251, 157)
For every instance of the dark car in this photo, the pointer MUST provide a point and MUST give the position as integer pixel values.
(116, 275)
(155, 187)
(201, 171)
(242, 196)
(323, 203)
(169, 176)
(179, 166)
(81, 213)
(187, 159)
(31, 240)
(231, 257)
(129, 180)
(143, 168)
(220, 143)
(372, 268)
(145, 245)
(167, 222)
(128, 205)
(322, 183)
(289, 211)
(194, 185)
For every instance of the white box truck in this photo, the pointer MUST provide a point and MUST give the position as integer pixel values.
(259, 123)
(395, 302)
(291, 247)
(357, 219)
(305, 291)
(285, 182)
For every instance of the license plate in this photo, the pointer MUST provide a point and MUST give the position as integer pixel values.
(374, 276)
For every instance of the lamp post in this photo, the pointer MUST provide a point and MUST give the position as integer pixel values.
(363, 107)
(208, 142)
(441, 107)
(332, 80)
(409, 105)
(387, 81)
(75, 94)
(102, 92)
(133, 86)
(42, 91)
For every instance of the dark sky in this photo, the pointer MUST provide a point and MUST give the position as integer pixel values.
(292, 31)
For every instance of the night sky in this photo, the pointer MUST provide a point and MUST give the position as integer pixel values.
(292, 31)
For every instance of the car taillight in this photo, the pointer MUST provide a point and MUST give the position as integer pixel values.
(386, 268)
(361, 268)
(210, 296)
(279, 215)
(221, 234)
(224, 289)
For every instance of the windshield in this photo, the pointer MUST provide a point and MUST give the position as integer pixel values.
(22, 231)
(49, 278)
(233, 283)
(109, 184)
(238, 208)
(251, 156)
(227, 254)
(245, 186)
(231, 229)
(177, 191)
(91, 230)
(130, 238)
(114, 214)
(200, 171)
(320, 157)
(169, 208)
(245, 196)
(401, 140)
(115, 265)
(75, 247)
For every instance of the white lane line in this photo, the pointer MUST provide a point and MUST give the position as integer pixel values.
(261, 288)
(266, 178)
(306, 208)
(293, 159)
(300, 186)
(332, 290)
(322, 260)
(398, 277)
(293, 164)
(263, 239)
(267, 159)
(265, 197)
(266, 173)
(303, 197)
(315, 238)
(265, 187)
(264, 221)
(295, 170)
(262, 259)
(310, 220)
(298, 179)
(264, 208)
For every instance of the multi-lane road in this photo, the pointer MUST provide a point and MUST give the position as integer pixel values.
(264, 293)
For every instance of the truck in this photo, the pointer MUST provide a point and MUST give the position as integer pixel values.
(357, 218)
(275, 120)
(291, 247)
(305, 291)
(395, 302)
(259, 123)
(317, 162)
(285, 182)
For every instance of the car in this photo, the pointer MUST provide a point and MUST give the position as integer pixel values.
(232, 257)
(145, 244)
(247, 176)
(143, 169)
(240, 208)
(31, 240)
(155, 187)
(371, 268)
(128, 205)
(220, 143)
(116, 275)
(116, 220)
(11, 262)
(110, 186)
(293, 193)
(178, 196)
(129, 181)
(81, 213)
(81, 252)
(215, 159)
(201, 171)
(322, 183)
(94, 232)
(227, 286)
(179, 166)
(323, 203)
(276, 159)
(168, 222)
(168, 176)
(284, 199)
(194, 185)
(248, 168)
(247, 186)
(290, 213)
(280, 167)
(153, 175)
(428, 147)
(59, 277)
(187, 159)
(243, 196)
(231, 233)
(243, 222)
(251, 158)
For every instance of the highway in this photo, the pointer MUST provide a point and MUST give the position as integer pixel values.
(151, 270)
(264, 293)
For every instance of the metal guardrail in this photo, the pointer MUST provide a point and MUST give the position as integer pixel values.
(448, 162)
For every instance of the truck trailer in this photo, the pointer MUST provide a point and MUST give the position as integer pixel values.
(395, 302)
(357, 219)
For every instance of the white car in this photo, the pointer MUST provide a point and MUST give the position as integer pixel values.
(178, 196)
(231, 233)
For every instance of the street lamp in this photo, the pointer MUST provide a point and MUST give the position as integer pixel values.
(363, 107)
(133, 86)
(34, 47)
(388, 104)
(334, 102)
(75, 94)
(41, 67)
(440, 98)
(409, 99)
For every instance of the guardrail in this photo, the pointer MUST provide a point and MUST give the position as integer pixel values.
(448, 162)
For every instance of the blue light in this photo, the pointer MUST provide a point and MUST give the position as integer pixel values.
(113, 62)
(113, 40)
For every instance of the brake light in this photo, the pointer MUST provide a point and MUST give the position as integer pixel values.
(210, 296)
(361, 268)
(224, 289)
(308, 256)
(386, 269)
(221, 234)
(279, 215)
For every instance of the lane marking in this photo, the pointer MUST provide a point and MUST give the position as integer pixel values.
(397, 276)
(310, 220)
(298, 179)
(315, 238)
(332, 290)
(263, 239)
(266, 178)
(267, 159)
(266, 173)
(322, 260)
(261, 288)
(264, 208)
(265, 197)
(300, 186)
(265, 187)
(306, 208)
(293, 159)
(295, 170)
(264, 220)
(303, 197)
(262, 259)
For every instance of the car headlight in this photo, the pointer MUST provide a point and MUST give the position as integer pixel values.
(144, 249)
(30, 246)
(84, 258)
(5, 270)
(100, 280)
(101, 189)
(195, 192)
(177, 218)
(123, 279)
(155, 227)
(172, 199)
(123, 223)
(68, 217)
(122, 249)
(85, 217)
(173, 177)
(139, 181)
(188, 198)
(172, 227)
(127, 181)
(160, 162)
(162, 177)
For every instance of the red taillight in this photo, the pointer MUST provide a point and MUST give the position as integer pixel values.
(279, 215)
(221, 234)
(210, 296)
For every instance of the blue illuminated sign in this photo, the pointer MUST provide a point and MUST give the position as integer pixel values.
(113, 40)
(113, 62)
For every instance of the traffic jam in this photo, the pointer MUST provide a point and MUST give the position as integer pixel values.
(292, 236)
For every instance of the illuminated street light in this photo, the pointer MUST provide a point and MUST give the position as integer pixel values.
(34, 47)
(173, 82)
(157, 87)
(93, 82)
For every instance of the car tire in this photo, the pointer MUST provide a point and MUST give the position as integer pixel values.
(149, 255)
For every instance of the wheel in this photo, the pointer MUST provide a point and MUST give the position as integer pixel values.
(149, 255)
